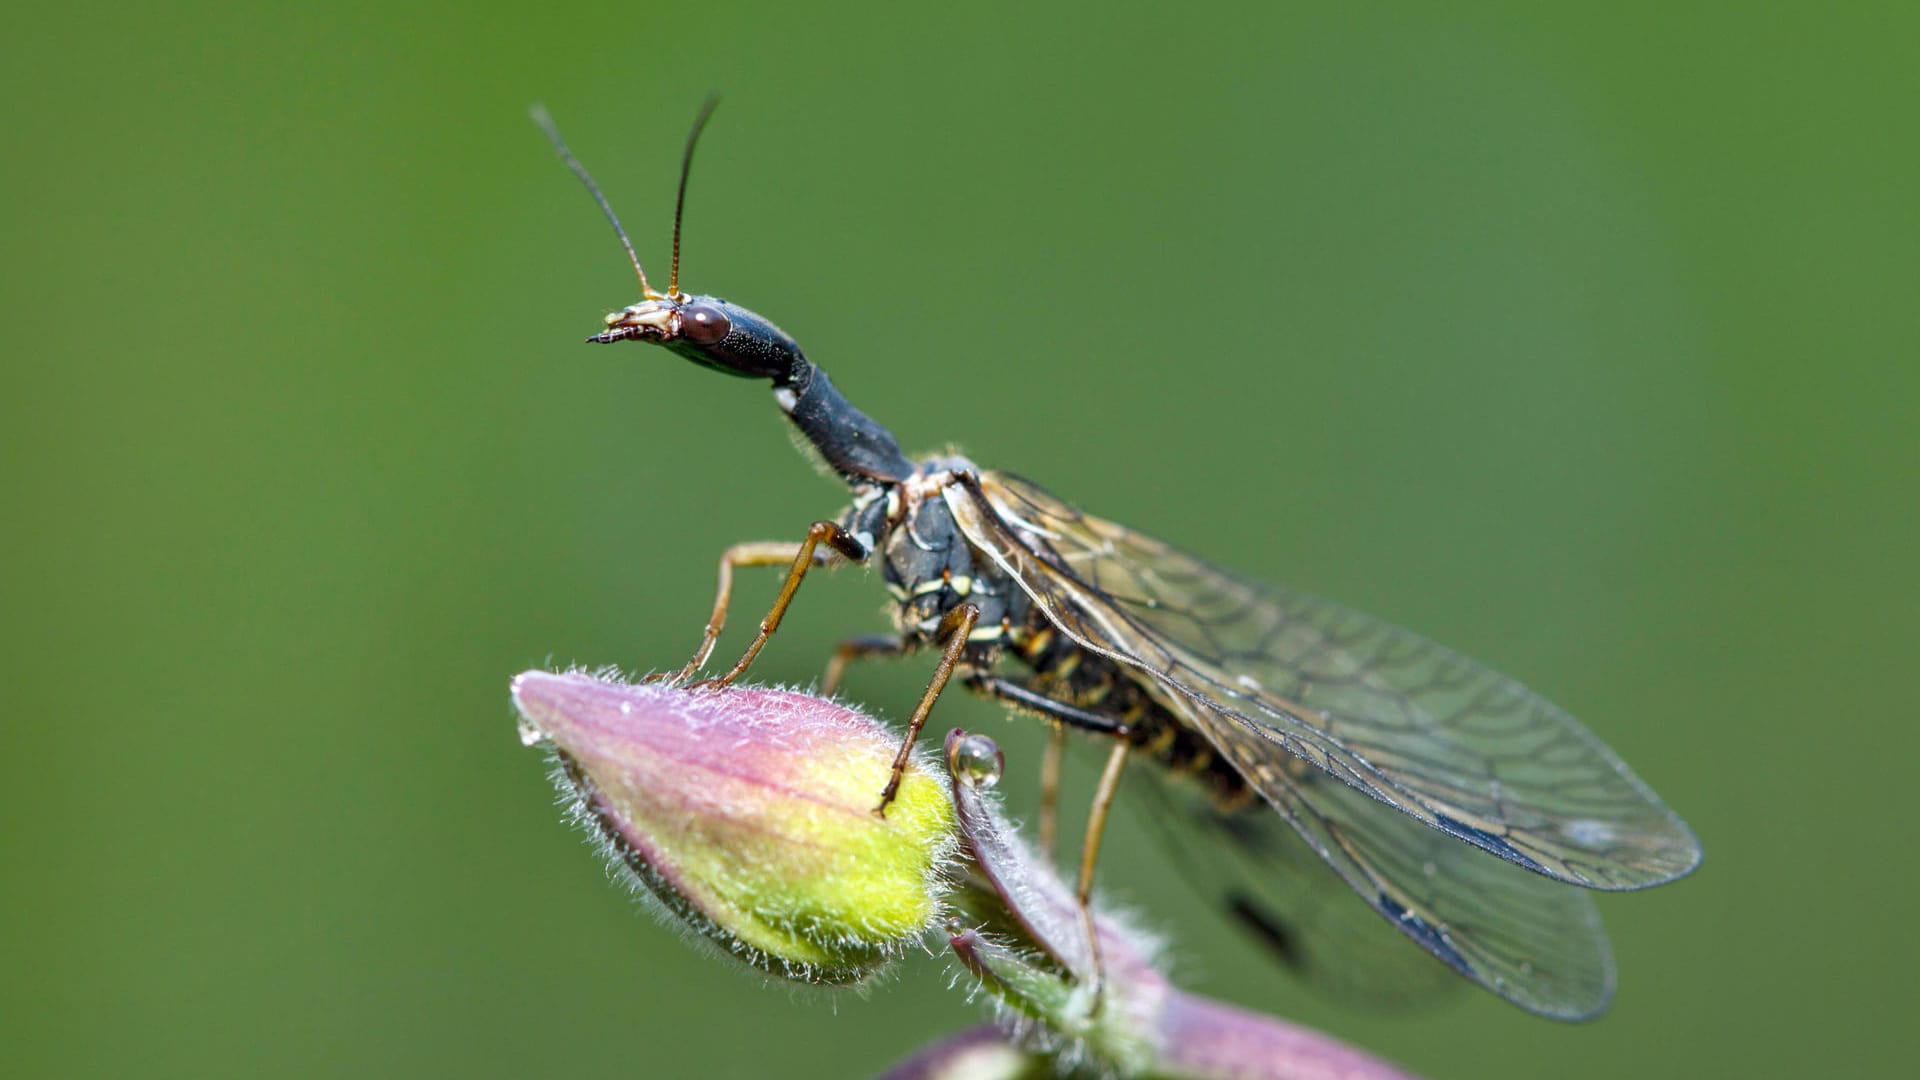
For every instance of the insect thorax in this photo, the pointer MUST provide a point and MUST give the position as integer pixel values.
(931, 567)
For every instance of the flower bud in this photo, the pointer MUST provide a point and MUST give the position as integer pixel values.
(1027, 947)
(749, 814)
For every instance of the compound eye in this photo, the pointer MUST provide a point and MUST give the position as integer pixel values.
(704, 325)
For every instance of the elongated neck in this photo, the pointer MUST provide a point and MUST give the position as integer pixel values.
(853, 443)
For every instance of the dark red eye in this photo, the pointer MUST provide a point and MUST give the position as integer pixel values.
(704, 325)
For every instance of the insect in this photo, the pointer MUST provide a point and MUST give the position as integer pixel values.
(1458, 804)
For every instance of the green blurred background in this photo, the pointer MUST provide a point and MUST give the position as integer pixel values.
(1585, 344)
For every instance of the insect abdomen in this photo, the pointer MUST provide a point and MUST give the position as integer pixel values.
(1062, 670)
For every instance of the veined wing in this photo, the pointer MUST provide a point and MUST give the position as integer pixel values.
(1270, 676)
(1252, 868)
(1533, 941)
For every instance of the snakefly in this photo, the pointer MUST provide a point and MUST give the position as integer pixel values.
(1457, 803)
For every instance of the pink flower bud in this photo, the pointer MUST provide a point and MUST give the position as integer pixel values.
(749, 814)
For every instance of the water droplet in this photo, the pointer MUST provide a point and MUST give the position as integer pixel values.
(626, 707)
(977, 761)
(529, 734)
(1429, 869)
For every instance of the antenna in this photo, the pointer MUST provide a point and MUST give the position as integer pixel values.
(680, 204)
(553, 133)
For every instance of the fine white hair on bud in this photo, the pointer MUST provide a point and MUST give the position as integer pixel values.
(748, 814)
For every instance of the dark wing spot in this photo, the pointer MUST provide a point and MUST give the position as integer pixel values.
(1492, 842)
(1267, 928)
(1424, 932)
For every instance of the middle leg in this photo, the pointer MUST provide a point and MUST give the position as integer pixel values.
(864, 647)
(1090, 854)
(1050, 788)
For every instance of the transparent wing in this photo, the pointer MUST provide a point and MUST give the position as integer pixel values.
(1270, 675)
(1531, 940)
(1259, 874)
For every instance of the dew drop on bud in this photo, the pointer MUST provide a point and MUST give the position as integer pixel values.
(977, 761)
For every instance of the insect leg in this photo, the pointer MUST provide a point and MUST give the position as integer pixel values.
(802, 556)
(860, 648)
(1012, 693)
(1061, 716)
(764, 553)
(1050, 787)
(953, 630)
(1090, 854)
